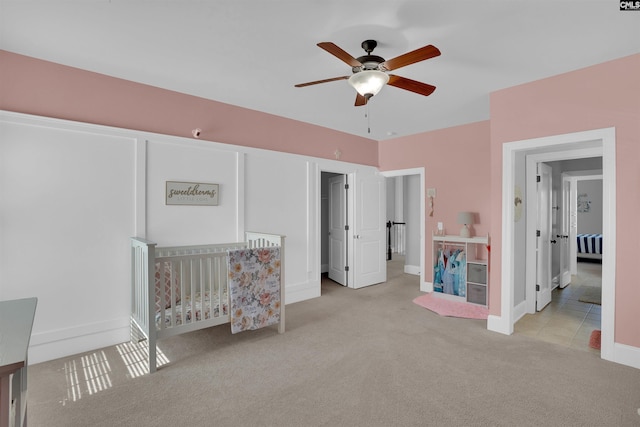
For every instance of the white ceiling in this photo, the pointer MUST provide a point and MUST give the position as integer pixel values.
(251, 53)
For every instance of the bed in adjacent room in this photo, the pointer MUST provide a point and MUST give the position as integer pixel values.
(589, 246)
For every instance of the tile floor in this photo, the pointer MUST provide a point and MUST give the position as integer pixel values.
(566, 320)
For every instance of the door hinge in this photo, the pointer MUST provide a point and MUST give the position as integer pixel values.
(346, 186)
(538, 178)
(537, 288)
(346, 228)
(537, 233)
(346, 268)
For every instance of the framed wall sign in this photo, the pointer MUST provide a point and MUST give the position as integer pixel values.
(191, 193)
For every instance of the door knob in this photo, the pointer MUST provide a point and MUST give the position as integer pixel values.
(553, 241)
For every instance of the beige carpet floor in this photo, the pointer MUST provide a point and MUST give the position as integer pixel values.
(367, 357)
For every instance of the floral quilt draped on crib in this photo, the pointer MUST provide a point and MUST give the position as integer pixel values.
(254, 287)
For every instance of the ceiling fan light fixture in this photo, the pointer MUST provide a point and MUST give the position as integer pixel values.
(368, 82)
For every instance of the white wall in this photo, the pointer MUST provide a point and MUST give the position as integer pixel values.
(391, 199)
(191, 161)
(73, 194)
(519, 232)
(412, 219)
(590, 217)
(68, 210)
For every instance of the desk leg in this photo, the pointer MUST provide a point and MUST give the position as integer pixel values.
(5, 401)
(19, 395)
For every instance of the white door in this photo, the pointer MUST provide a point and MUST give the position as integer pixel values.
(369, 238)
(563, 236)
(543, 240)
(337, 229)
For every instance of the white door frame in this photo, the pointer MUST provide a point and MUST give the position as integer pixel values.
(604, 141)
(424, 286)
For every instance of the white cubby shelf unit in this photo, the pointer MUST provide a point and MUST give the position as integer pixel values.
(461, 268)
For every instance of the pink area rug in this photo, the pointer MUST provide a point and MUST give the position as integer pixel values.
(445, 307)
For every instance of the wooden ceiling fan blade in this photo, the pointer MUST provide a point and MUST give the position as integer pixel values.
(333, 79)
(360, 100)
(339, 53)
(411, 85)
(409, 58)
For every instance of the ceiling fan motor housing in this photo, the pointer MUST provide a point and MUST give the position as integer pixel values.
(369, 45)
(368, 61)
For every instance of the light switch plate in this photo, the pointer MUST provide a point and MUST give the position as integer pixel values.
(431, 192)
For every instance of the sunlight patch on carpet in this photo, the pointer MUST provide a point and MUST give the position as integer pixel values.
(445, 307)
(136, 357)
(86, 375)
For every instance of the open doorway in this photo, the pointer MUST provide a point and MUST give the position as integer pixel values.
(334, 228)
(406, 190)
(518, 253)
(573, 315)
(352, 227)
(403, 225)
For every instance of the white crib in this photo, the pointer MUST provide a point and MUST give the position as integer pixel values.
(185, 288)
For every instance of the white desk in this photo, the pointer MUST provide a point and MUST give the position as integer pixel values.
(16, 321)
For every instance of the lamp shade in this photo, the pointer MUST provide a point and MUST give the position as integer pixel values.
(465, 218)
(369, 82)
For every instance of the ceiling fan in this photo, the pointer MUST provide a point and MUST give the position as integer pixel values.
(370, 71)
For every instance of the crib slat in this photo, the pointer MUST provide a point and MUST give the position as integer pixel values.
(191, 291)
(183, 280)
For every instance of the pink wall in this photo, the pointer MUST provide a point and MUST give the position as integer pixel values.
(604, 95)
(43, 88)
(456, 162)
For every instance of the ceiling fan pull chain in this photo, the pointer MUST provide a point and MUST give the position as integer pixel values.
(368, 116)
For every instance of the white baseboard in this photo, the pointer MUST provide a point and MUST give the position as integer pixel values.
(499, 324)
(412, 269)
(519, 311)
(426, 287)
(50, 345)
(302, 291)
(626, 355)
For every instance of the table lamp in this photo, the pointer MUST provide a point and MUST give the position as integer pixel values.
(465, 218)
